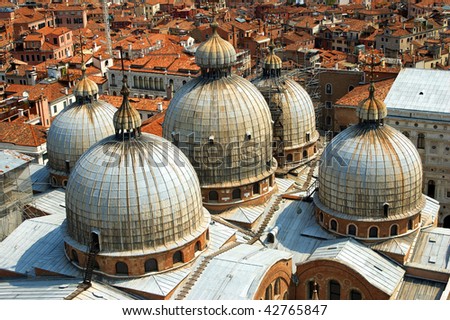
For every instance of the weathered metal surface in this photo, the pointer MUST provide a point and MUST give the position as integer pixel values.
(420, 289)
(139, 194)
(420, 90)
(365, 167)
(10, 160)
(290, 105)
(215, 53)
(223, 125)
(235, 274)
(431, 251)
(377, 270)
(371, 108)
(75, 129)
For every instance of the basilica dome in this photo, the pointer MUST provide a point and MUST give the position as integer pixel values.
(76, 128)
(370, 176)
(138, 198)
(292, 111)
(223, 124)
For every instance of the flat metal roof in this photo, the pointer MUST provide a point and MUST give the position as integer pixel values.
(51, 288)
(377, 270)
(420, 90)
(431, 251)
(10, 160)
(40, 177)
(235, 274)
(53, 202)
(30, 242)
(420, 289)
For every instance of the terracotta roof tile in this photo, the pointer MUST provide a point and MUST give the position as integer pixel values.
(154, 124)
(354, 97)
(22, 134)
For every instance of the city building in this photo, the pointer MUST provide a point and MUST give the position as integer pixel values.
(15, 189)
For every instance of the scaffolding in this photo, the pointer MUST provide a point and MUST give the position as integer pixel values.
(15, 193)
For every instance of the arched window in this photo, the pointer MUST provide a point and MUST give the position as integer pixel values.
(121, 268)
(256, 188)
(312, 285)
(75, 257)
(351, 230)
(333, 225)
(268, 295)
(213, 196)
(161, 84)
(386, 209)
(446, 222)
(334, 290)
(355, 295)
(152, 83)
(373, 232)
(321, 217)
(277, 288)
(410, 224)
(146, 83)
(431, 189)
(394, 230)
(184, 82)
(135, 82)
(151, 265)
(286, 296)
(114, 93)
(421, 141)
(328, 121)
(198, 246)
(177, 257)
(236, 194)
(141, 82)
(305, 154)
(328, 88)
(289, 157)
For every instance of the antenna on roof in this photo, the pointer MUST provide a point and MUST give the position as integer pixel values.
(83, 65)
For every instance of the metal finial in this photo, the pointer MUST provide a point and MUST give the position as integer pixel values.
(83, 64)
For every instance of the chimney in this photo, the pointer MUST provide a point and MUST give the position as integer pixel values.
(169, 91)
(159, 107)
(66, 91)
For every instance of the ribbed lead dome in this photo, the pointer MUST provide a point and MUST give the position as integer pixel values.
(136, 192)
(368, 166)
(223, 125)
(77, 127)
(140, 195)
(216, 52)
(291, 107)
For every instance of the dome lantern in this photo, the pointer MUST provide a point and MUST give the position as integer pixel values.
(215, 56)
(272, 63)
(372, 109)
(85, 90)
(127, 120)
